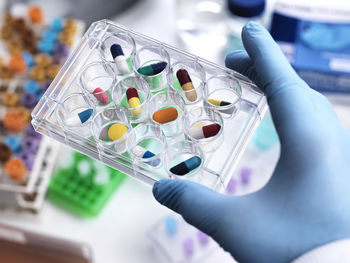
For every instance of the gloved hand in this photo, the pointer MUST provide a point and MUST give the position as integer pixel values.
(306, 203)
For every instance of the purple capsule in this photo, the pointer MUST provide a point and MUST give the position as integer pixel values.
(28, 158)
(29, 100)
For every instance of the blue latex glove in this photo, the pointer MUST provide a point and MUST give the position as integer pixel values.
(306, 203)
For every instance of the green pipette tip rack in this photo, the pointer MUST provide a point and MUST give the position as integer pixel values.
(85, 186)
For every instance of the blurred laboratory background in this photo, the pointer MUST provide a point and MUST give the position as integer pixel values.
(40, 220)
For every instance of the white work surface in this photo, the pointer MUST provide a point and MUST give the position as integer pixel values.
(119, 233)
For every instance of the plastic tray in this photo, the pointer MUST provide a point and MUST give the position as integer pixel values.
(219, 157)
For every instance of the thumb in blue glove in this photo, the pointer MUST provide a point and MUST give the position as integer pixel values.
(306, 202)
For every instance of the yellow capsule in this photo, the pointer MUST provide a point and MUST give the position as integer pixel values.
(116, 131)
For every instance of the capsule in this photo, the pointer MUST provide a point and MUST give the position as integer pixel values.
(165, 115)
(152, 69)
(219, 102)
(116, 131)
(99, 94)
(119, 58)
(205, 131)
(134, 101)
(222, 103)
(186, 84)
(80, 118)
(186, 166)
(143, 153)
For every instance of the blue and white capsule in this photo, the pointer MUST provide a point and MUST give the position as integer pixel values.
(144, 153)
(79, 118)
(186, 166)
(119, 58)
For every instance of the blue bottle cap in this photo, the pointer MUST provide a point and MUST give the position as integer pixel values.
(171, 225)
(32, 86)
(28, 58)
(46, 47)
(116, 50)
(246, 8)
(57, 24)
(49, 36)
(13, 142)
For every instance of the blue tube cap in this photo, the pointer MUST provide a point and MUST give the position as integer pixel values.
(171, 225)
(32, 86)
(13, 142)
(57, 24)
(246, 8)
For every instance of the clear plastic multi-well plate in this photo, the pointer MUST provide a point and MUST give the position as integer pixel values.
(172, 142)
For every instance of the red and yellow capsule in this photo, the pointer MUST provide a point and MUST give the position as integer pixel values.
(134, 101)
